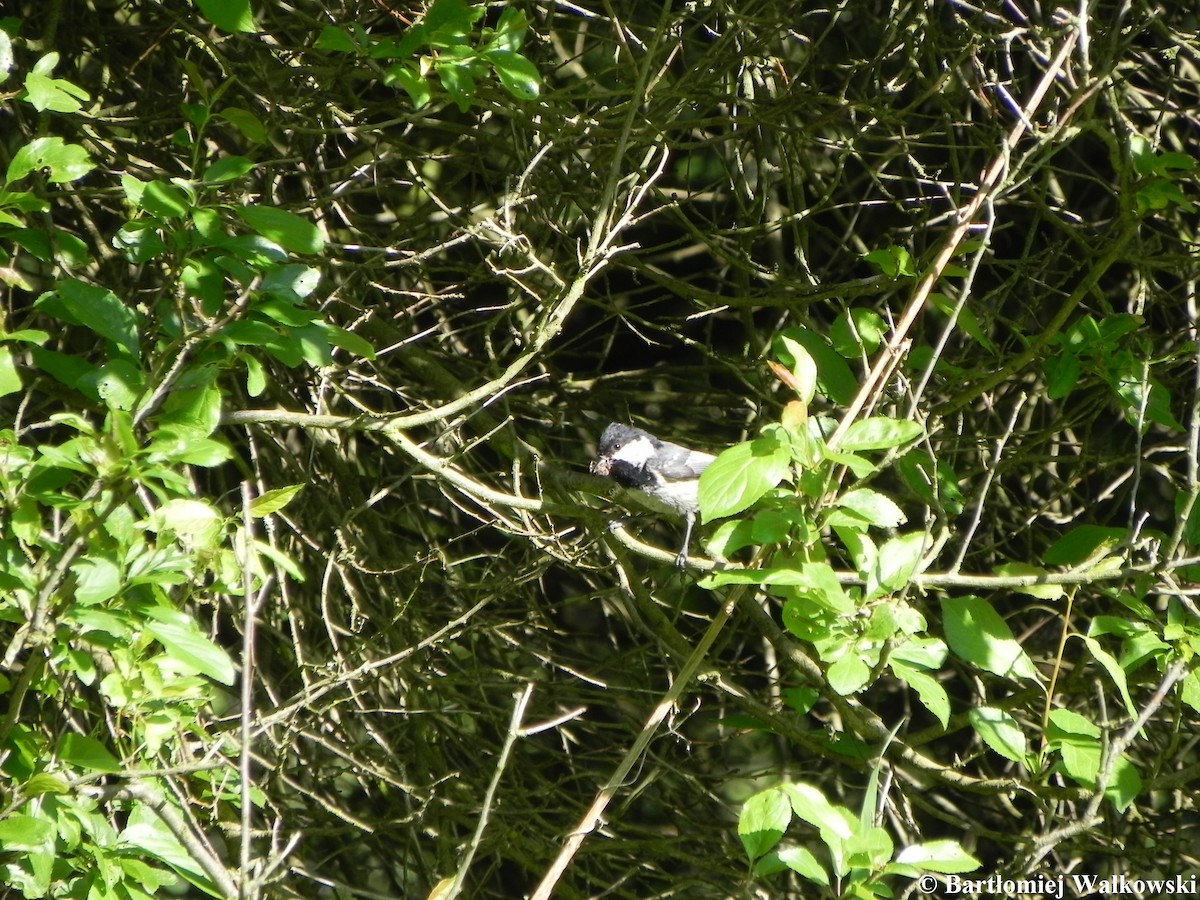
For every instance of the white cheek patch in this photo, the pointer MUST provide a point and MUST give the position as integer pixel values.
(636, 452)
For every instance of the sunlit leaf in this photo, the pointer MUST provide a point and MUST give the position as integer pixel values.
(741, 475)
(879, 433)
(285, 228)
(229, 15)
(273, 501)
(977, 634)
(1000, 731)
(762, 822)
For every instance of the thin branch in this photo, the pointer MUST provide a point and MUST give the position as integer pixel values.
(489, 797)
(988, 183)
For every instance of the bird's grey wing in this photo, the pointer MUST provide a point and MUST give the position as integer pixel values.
(677, 463)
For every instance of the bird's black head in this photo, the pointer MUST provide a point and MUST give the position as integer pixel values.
(616, 436)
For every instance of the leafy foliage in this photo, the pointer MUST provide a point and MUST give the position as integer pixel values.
(311, 317)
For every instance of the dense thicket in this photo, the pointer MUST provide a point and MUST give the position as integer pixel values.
(623, 234)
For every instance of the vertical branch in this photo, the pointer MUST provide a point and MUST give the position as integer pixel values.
(988, 183)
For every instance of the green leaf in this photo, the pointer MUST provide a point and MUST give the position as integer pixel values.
(86, 753)
(66, 162)
(1064, 723)
(246, 122)
(181, 636)
(741, 475)
(292, 282)
(181, 444)
(95, 308)
(278, 558)
(801, 700)
(313, 343)
(285, 228)
(337, 40)
(872, 507)
(1000, 731)
(817, 581)
(1081, 759)
(228, 15)
(65, 368)
(148, 833)
(250, 333)
(53, 94)
(198, 114)
(1189, 689)
(896, 563)
(43, 783)
(809, 804)
(227, 169)
(1140, 641)
(510, 30)
(406, 48)
(789, 575)
(1161, 193)
(857, 333)
(71, 251)
(892, 261)
(416, 86)
(287, 313)
(1141, 151)
(803, 863)
(205, 453)
(195, 523)
(1084, 336)
(118, 383)
(203, 280)
(977, 634)
(762, 822)
(350, 342)
(273, 501)
(943, 856)
(869, 849)
(833, 375)
(166, 200)
(1158, 406)
(879, 433)
(519, 76)
(140, 240)
(1145, 399)
(25, 833)
(848, 674)
(802, 367)
(452, 16)
(194, 409)
(7, 61)
(10, 381)
(1082, 543)
(97, 579)
(256, 375)
(1125, 785)
(1115, 672)
(929, 690)
(458, 81)
(1168, 163)
(860, 546)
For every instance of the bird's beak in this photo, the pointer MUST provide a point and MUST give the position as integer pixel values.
(601, 466)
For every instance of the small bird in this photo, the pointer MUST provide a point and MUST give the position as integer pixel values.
(666, 472)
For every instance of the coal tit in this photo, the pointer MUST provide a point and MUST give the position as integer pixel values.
(665, 471)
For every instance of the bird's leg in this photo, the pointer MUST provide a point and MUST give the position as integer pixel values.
(681, 559)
